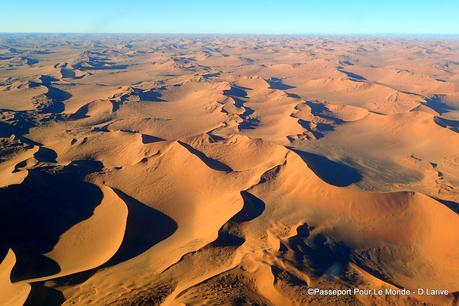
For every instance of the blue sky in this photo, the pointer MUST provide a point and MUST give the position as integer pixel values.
(232, 16)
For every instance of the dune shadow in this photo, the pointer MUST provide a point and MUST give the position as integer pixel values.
(276, 83)
(211, 75)
(145, 227)
(56, 96)
(92, 60)
(22, 123)
(321, 110)
(227, 239)
(236, 91)
(346, 62)
(249, 124)
(150, 96)
(280, 274)
(316, 129)
(3, 253)
(116, 105)
(293, 95)
(29, 60)
(80, 113)
(453, 125)
(6, 130)
(210, 162)
(137, 94)
(31, 265)
(228, 235)
(330, 171)
(35, 213)
(67, 73)
(150, 139)
(239, 95)
(239, 103)
(325, 257)
(317, 108)
(45, 155)
(253, 208)
(450, 204)
(437, 103)
(353, 76)
(41, 295)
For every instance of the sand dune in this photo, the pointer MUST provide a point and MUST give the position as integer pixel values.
(11, 293)
(99, 237)
(11, 169)
(227, 170)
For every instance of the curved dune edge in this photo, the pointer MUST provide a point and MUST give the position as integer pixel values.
(92, 242)
(8, 175)
(11, 293)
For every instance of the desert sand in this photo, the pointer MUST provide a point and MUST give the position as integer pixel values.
(240, 170)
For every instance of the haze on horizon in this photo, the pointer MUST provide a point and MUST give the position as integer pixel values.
(235, 17)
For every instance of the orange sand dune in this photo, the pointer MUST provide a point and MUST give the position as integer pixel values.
(228, 170)
(11, 293)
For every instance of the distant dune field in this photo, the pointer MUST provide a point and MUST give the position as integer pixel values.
(228, 170)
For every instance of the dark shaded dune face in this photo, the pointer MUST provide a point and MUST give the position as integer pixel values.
(40, 295)
(276, 83)
(227, 170)
(150, 96)
(236, 92)
(91, 60)
(253, 208)
(36, 212)
(453, 125)
(145, 227)
(351, 75)
(45, 155)
(230, 234)
(330, 171)
(325, 258)
(210, 162)
(437, 104)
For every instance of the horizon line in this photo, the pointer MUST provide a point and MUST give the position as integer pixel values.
(247, 34)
